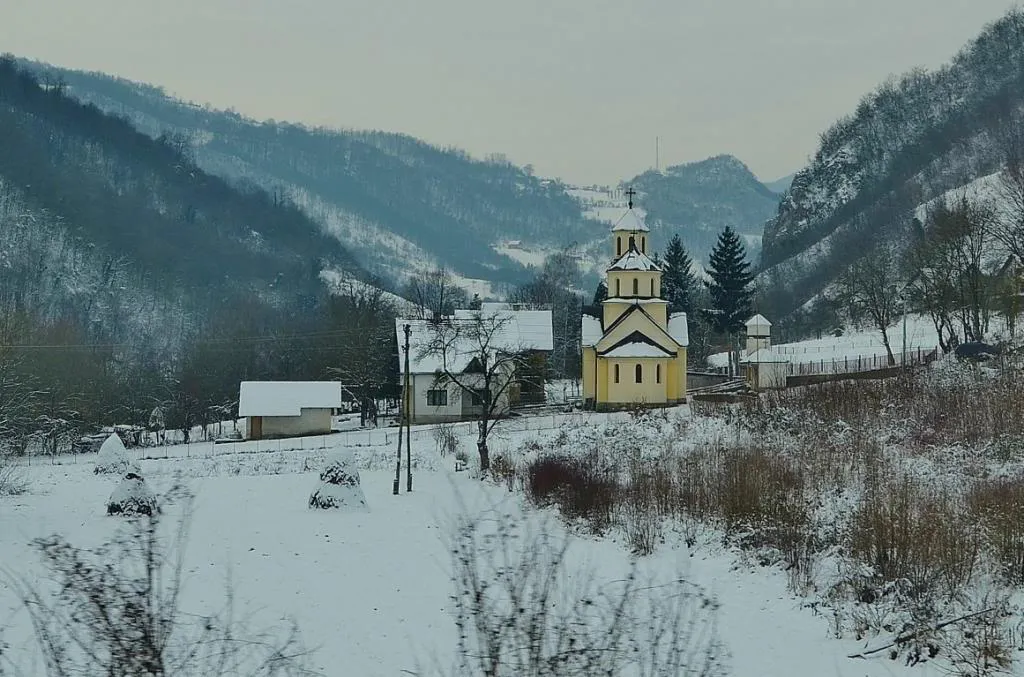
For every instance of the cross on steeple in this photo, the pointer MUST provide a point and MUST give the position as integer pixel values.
(630, 193)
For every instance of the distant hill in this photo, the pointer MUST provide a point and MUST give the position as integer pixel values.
(698, 200)
(780, 186)
(911, 140)
(400, 204)
(122, 237)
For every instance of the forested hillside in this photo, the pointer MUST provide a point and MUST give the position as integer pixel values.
(912, 139)
(130, 276)
(698, 200)
(399, 203)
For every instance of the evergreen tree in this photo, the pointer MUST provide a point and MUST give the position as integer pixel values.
(730, 283)
(678, 283)
(601, 293)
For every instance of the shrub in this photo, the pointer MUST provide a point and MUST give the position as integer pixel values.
(132, 497)
(581, 487)
(12, 476)
(339, 487)
(113, 458)
(998, 505)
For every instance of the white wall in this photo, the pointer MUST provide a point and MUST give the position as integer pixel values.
(454, 410)
(310, 422)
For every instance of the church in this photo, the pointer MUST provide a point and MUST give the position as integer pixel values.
(634, 352)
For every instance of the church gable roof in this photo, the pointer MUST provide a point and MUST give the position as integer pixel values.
(632, 222)
(635, 260)
(636, 344)
(655, 332)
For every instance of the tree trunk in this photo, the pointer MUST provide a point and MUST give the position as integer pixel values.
(481, 446)
(888, 348)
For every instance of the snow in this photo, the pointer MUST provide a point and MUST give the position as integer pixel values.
(636, 349)
(113, 459)
(339, 487)
(678, 329)
(758, 321)
(591, 331)
(287, 398)
(634, 260)
(631, 221)
(766, 355)
(520, 330)
(371, 590)
(132, 497)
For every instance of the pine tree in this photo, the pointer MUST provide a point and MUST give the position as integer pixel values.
(601, 293)
(678, 283)
(729, 287)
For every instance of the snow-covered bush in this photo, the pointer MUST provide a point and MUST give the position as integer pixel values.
(339, 487)
(12, 478)
(132, 497)
(113, 459)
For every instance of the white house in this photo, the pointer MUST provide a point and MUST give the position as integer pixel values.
(432, 400)
(287, 408)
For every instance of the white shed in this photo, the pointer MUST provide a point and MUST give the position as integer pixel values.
(759, 334)
(766, 369)
(287, 408)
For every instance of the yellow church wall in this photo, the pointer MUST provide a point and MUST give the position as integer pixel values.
(620, 242)
(620, 283)
(635, 322)
(589, 373)
(627, 390)
(677, 377)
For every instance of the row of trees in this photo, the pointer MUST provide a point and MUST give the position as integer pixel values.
(962, 268)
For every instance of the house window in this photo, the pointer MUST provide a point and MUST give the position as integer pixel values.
(657, 373)
(636, 287)
(618, 246)
(437, 398)
(477, 397)
(616, 373)
(618, 288)
(639, 373)
(652, 287)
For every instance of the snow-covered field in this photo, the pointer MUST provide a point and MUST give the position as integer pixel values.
(371, 590)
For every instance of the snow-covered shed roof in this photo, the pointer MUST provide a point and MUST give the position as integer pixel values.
(765, 355)
(635, 259)
(520, 330)
(758, 320)
(678, 329)
(632, 222)
(286, 398)
(591, 331)
(637, 349)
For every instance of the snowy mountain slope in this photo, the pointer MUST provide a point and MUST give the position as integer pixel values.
(908, 142)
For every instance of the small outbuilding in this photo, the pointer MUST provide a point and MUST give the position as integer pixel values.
(766, 369)
(275, 409)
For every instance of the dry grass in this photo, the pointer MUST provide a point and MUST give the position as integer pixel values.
(12, 477)
(998, 506)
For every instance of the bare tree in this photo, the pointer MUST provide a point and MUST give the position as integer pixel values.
(872, 289)
(1008, 228)
(114, 610)
(434, 293)
(478, 362)
(520, 609)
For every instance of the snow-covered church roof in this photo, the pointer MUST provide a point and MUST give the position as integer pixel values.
(632, 222)
(635, 259)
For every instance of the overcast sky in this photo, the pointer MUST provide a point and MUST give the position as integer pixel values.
(578, 88)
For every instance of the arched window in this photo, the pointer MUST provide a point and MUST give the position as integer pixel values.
(618, 246)
(636, 287)
(616, 373)
(652, 287)
(639, 373)
(618, 288)
(657, 373)
(643, 245)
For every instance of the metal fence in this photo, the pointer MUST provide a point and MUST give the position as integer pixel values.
(861, 363)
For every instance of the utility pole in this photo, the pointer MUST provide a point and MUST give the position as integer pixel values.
(403, 413)
(408, 418)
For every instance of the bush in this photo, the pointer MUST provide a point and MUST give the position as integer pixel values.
(998, 505)
(132, 498)
(581, 487)
(113, 459)
(12, 476)
(339, 487)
